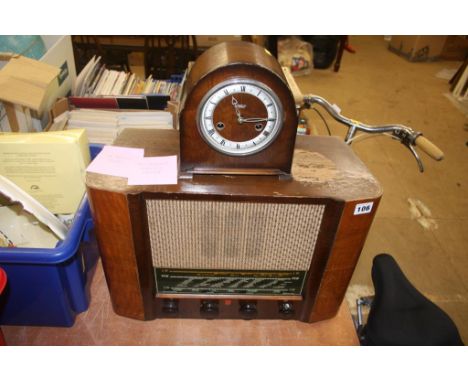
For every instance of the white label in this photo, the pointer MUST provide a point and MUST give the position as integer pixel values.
(363, 208)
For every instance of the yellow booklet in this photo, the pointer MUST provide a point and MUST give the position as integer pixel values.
(50, 166)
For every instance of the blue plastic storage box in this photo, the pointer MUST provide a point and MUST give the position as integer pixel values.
(49, 287)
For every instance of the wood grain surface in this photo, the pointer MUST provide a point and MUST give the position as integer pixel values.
(235, 61)
(100, 325)
(326, 172)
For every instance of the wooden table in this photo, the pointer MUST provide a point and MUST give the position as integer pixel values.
(101, 326)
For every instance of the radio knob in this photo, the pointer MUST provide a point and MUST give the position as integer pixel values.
(286, 308)
(248, 308)
(209, 307)
(170, 306)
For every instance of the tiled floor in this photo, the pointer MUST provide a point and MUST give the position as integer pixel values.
(374, 86)
(377, 86)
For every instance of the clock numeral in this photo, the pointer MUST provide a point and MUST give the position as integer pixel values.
(270, 104)
(238, 146)
(266, 133)
(254, 143)
(271, 119)
(223, 142)
(260, 92)
(211, 131)
(226, 92)
(242, 88)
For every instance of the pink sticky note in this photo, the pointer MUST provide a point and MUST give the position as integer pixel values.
(115, 160)
(154, 170)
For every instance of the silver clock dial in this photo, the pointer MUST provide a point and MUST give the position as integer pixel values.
(240, 117)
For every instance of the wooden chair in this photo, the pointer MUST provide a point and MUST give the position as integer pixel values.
(166, 55)
(115, 56)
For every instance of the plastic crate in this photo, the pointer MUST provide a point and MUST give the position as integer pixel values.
(3, 281)
(49, 287)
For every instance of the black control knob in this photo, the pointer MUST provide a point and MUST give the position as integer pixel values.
(209, 307)
(170, 305)
(248, 308)
(286, 308)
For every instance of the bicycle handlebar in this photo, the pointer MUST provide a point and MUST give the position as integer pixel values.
(404, 134)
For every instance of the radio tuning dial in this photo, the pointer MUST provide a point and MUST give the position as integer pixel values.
(248, 308)
(286, 308)
(170, 306)
(209, 307)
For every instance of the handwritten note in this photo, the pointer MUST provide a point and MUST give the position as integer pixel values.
(154, 170)
(116, 161)
(130, 163)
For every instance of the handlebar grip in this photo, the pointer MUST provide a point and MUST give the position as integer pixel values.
(429, 148)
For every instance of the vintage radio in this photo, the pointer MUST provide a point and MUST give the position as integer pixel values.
(247, 232)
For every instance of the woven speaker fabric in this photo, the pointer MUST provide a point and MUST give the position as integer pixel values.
(199, 234)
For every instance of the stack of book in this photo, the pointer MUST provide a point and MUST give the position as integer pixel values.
(98, 87)
(104, 126)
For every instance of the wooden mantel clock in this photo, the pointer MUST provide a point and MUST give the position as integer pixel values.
(231, 239)
(238, 114)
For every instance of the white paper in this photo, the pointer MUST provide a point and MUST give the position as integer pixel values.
(16, 194)
(24, 230)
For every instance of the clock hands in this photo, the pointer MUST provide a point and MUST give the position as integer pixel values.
(235, 103)
(253, 120)
(241, 119)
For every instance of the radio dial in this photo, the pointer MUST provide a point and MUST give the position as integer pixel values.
(170, 306)
(286, 308)
(248, 308)
(209, 307)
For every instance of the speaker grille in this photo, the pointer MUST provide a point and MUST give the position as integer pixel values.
(194, 234)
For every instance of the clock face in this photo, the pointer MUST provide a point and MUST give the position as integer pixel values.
(240, 117)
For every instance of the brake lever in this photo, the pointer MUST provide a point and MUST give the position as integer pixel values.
(416, 156)
(408, 137)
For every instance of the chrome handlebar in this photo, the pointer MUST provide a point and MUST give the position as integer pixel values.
(404, 134)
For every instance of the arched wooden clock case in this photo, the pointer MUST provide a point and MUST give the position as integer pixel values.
(237, 63)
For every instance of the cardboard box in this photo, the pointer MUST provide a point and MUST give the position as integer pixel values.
(62, 105)
(455, 48)
(27, 82)
(418, 48)
(26, 85)
(59, 54)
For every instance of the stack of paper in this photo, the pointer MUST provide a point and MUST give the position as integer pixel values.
(104, 126)
(49, 166)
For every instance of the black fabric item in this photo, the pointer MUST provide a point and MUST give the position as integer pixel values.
(325, 49)
(401, 315)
